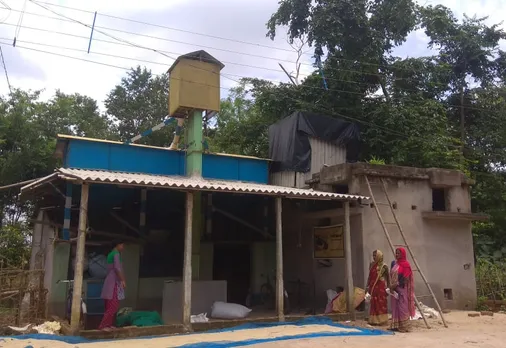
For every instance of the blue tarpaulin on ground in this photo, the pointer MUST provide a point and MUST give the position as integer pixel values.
(306, 321)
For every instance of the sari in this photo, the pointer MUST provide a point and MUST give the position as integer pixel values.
(339, 303)
(112, 290)
(402, 282)
(376, 286)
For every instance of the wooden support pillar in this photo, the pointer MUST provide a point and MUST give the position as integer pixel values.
(350, 289)
(75, 317)
(280, 288)
(197, 226)
(187, 266)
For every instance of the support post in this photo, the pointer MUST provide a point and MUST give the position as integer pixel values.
(194, 169)
(142, 217)
(350, 290)
(280, 288)
(75, 317)
(194, 142)
(68, 212)
(187, 266)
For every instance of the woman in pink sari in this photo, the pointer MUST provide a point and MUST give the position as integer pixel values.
(113, 290)
(402, 282)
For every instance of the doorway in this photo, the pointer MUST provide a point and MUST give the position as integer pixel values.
(232, 262)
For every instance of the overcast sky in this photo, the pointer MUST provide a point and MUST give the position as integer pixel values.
(237, 20)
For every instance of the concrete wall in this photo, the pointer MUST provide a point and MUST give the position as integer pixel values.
(54, 260)
(442, 247)
(263, 263)
(150, 292)
(300, 264)
(450, 263)
(131, 259)
(206, 261)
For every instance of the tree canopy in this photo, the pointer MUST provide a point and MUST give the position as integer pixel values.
(446, 109)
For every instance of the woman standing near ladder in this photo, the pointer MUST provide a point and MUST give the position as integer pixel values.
(377, 283)
(113, 290)
(403, 290)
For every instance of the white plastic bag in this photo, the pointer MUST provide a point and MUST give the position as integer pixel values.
(223, 310)
(367, 298)
(199, 318)
(331, 294)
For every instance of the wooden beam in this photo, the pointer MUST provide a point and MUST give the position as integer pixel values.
(244, 222)
(125, 223)
(57, 190)
(280, 288)
(329, 213)
(187, 266)
(91, 232)
(17, 184)
(350, 289)
(116, 236)
(75, 317)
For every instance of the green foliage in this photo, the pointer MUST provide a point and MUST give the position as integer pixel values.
(75, 115)
(490, 280)
(240, 128)
(375, 160)
(138, 103)
(14, 246)
(445, 110)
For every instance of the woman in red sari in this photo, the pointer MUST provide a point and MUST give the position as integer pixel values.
(402, 282)
(377, 283)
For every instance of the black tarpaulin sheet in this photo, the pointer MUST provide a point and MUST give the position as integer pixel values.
(289, 145)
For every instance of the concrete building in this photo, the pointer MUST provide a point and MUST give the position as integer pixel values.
(433, 207)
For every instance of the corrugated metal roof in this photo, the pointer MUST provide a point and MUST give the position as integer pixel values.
(188, 183)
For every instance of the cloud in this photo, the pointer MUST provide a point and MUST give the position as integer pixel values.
(242, 22)
(416, 44)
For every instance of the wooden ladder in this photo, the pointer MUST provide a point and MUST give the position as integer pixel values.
(406, 245)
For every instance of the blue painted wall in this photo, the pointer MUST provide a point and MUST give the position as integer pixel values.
(85, 154)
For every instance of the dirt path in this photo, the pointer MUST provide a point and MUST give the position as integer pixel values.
(482, 332)
(463, 331)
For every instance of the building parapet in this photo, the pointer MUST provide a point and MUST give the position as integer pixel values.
(341, 174)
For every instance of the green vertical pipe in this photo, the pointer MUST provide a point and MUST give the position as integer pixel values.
(194, 168)
(195, 149)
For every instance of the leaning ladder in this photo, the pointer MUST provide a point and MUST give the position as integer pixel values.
(406, 245)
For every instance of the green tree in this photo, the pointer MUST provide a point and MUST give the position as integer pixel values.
(358, 35)
(138, 103)
(239, 127)
(74, 114)
(24, 153)
(14, 245)
(470, 49)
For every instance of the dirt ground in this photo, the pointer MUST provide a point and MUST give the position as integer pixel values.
(463, 331)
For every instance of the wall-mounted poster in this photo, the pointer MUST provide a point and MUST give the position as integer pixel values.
(328, 242)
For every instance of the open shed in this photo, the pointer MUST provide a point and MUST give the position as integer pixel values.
(176, 262)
